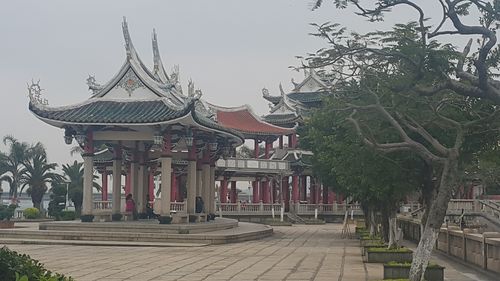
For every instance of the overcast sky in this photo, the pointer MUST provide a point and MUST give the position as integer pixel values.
(231, 49)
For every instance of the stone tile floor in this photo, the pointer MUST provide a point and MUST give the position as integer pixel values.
(299, 252)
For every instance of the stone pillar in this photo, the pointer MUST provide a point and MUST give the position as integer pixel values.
(166, 173)
(117, 179)
(212, 187)
(285, 192)
(281, 142)
(151, 183)
(104, 185)
(88, 175)
(140, 200)
(128, 183)
(223, 191)
(191, 179)
(134, 173)
(295, 188)
(199, 178)
(234, 193)
(303, 188)
(312, 192)
(205, 181)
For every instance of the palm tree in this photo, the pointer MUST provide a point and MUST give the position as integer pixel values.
(36, 175)
(12, 162)
(74, 174)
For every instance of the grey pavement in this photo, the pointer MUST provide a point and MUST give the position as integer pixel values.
(299, 252)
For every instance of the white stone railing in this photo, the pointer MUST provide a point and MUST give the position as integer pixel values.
(248, 208)
(465, 204)
(309, 209)
(178, 207)
(103, 205)
(276, 166)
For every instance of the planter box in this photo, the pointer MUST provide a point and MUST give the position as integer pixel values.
(434, 273)
(365, 248)
(364, 242)
(6, 224)
(384, 257)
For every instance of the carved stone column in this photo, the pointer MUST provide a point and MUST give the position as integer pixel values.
(166, 174)
(117, 179)
(212, 187)
(205, 181)
(88, 175)
(191, 179)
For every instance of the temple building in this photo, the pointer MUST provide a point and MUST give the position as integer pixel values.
(145, 120)
(151, 138)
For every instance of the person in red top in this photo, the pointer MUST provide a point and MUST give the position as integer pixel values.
(130, 206)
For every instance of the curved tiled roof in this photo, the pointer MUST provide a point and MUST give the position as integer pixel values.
(282, 119)
(307, 97)
(242, 119)
(100, 111)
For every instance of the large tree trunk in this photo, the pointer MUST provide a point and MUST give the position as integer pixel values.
(384, 212)
(429, 190)
(373, 224)
(394, 231)
(435, 218)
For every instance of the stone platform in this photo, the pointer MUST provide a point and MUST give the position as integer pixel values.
(146, 233)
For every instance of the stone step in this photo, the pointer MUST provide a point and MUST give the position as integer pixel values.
(5, 241)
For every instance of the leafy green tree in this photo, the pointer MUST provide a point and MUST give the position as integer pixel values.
(12, 162)
(74, 174)
(36, 175)
(57, 199)
(437, 101)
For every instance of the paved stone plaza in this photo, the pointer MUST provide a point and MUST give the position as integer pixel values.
(300, 252)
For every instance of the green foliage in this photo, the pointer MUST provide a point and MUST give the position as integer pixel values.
(74, 173)
(87, 218)
(14, 266)
(7, 211)
(392, 250)
(116, 217)
(165, 219)
(31, 213)
(57, 200)
(68, 215)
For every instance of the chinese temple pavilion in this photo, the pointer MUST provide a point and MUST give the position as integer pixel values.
(141, 125)
(146, 121)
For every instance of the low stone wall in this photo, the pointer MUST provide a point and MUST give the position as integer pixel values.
(482, 250)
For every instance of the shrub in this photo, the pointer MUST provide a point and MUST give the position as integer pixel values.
(87, 218)
(31, 213)
(165, 219)
(68, 215)
(394, 250)
(14, 266)
(116, 217)
(7, 211)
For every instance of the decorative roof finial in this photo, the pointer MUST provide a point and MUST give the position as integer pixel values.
(126, 36)
(281, 90)
(156, 52)
(35, 93)
(265, 92)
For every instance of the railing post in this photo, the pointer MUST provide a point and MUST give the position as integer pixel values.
(238, 207)
(261, 206)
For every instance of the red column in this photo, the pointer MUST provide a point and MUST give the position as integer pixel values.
(281, 142)
(234, 194)
(266, 198)
(312, 192)
(295, 189)
(275, 191)
(303, 188)
(340, 198)
(268, 147)
(326, 195)
(104, 190)
(223, 191)
(285, 193)
(255, 190)
(173, 187)
(256, 151)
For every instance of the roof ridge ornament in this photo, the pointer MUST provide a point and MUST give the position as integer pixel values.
(192, 93)
(93, 85)
(158, 68)
(35, 93)
(265, 92)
